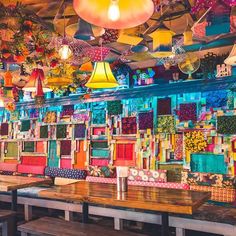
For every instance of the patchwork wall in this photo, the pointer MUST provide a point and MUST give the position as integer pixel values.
(195, 130)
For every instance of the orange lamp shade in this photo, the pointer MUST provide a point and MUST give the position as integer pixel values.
(102, 77)
(8, 79)
(114, 14)
(162, 42)
(86, 67)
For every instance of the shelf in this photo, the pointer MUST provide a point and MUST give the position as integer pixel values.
(145, 91)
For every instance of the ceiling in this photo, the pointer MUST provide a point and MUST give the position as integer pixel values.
(176, 18)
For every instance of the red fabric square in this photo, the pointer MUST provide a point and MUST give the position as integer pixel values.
(65, 163)
(188, 111)
(129, 125)
(66, 147)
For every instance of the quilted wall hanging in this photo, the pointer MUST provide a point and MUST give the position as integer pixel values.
(4, 129)
(164, 106)
(166, 124)
(44, 131)
(188, 111)
(114, 107)
(79, 131)
(99, 116)
(25, 125)
(215, 98)
(226, 124)
(129, 125)
(145, 120)
(61, 131)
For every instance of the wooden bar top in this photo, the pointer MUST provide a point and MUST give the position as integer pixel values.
(137, 197)
(10, 182)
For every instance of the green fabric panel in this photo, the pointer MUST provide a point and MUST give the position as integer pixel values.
(99, 145)
(44, 131)
(99, 116)
(173, 171)
(12, 149)
(61, 131)
(114, 107)
(100, 153)
(25, 125)
(53, 159)
(28, 147)
(208, 163)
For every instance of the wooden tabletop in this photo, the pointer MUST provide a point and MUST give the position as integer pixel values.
(138, 197)
(10, 182)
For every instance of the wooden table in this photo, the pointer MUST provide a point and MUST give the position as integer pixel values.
(147, 198)
(12, 183)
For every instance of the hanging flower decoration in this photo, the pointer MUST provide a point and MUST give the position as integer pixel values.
(60, 77)
(195, 141)
(158, 4)
(10, 106)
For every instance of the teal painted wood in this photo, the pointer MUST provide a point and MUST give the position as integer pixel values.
(146, 91)
(53, 159)
(208, 163)
(100, 153)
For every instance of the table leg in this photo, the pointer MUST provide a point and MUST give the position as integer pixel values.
(14, 200)
(165, 224)
(85, 212)
(14, 208)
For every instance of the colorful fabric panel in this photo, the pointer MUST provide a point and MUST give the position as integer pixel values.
(98, 144)
(25, 125)
(207, 179)
(53, 158)
(114, 107)
(129, 125)
(44, 131)
(166, 124)
(65, 173)
(50, 117)
(65, 163)
(188, 111)
(100, 153)
(11, 149)
(102, 171)
(98, 116)
(215, 98)
(226, 124)
(79, 131)
(28, 146)
(61, 131)
(100, 162)
(4, 129)
(67, 110)
(66, 147)
(208, 162)
(164, 106)
(147, 175)
(145, 120)
(34, 113)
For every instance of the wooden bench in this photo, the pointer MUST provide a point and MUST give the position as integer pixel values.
(48, 226)
(7, 221)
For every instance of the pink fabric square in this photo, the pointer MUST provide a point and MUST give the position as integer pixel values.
(99, 162)
(65, 163)
(8, 167)
(31, 169)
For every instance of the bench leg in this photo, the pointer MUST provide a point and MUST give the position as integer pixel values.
(85, 217)
(180, 232)
(118, 224)
(28, 212)
(68, 215)
(24, 234)
(8, 227)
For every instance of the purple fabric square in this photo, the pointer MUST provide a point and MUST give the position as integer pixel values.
(188, 111)
(4, 129)
(66, 147)
(129, 125)
(80, 130)
(164, 106)
(145, 120)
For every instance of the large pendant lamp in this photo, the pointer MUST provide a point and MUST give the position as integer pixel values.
(162, 42)
(231, 59)
(102, 77)
(31, 85)
(114, 14)
(188, 36)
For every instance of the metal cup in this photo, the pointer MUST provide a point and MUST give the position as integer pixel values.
(122, 184)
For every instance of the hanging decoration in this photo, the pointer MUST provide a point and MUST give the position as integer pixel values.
(31, 85)
(162, 42)
(188, 35)
(114, 14)
(110, 36)
(96, 53)
(39, 95)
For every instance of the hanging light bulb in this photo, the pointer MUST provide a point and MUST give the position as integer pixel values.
(114, 10)
(65, 51)
(1, 103)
